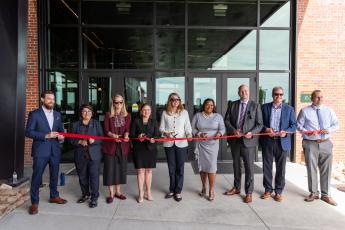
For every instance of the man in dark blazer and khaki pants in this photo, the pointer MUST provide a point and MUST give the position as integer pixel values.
(243, 117)
(277, 117)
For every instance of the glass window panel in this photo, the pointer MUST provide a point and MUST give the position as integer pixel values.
(117, 12)
(66, 89)
(222, 49)
(203, 88)
(135, 93)
(63, 11)
(63, 48)
(109, 48)
(167, 83)
(232, 87)
(267, 81)
(275, 13)
(233, 13)
(274, 50)
(170, 48)
(170, 13)
(99, 95)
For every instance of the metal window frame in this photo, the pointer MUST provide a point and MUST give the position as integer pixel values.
(43, 28)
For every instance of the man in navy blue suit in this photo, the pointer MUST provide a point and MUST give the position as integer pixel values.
(43, 126)
(277, 117)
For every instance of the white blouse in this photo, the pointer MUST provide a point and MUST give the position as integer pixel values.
(179, 125)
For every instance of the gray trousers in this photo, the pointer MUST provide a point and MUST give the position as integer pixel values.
(318, 155)
(247, 154)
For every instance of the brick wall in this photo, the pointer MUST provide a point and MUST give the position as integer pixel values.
(32, 89)
(321, 60)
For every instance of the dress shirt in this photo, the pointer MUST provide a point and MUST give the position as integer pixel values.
(275, 117)
(308, 121)
(179, 124)
(50, 116)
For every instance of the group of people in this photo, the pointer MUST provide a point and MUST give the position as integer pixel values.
(275, 122)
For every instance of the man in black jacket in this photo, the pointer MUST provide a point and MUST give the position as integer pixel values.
(243, 117)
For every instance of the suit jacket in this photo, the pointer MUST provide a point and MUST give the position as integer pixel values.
(95, 129)
(287, 123)
(109, 147)
(151, 131)
(37, 127)
(252, 122)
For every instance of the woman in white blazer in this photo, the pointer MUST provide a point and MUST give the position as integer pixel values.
(175, 123)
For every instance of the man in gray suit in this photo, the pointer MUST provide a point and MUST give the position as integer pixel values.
(243, 117)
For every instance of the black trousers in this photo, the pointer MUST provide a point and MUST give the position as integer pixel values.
(273, 151)
(88, 172)
(247, 154)
(176, 158)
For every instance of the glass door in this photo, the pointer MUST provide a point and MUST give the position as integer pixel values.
(203, 86)
(222, 88)
(138, 89)
(230, 84)
(164, 84)
(97, 91)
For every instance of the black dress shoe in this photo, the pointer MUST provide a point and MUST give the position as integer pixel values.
(93, 204)
(178, 197)
(83, 199)
(169, 195)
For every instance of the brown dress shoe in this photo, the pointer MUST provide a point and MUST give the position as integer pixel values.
(33, 210)
(265, 195)
(248, 198)
(329, 200)
(311, 197)
(57, 200)
(232, 191)
(278, 197)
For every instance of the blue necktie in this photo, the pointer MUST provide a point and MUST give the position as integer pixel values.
(319, 117)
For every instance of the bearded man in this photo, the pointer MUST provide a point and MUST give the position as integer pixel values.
(43, 126)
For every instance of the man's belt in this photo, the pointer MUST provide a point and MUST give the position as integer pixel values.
(318, 140)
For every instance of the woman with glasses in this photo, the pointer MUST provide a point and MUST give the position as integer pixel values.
(87, 155)
(207, 123)
(116, 125)
(144, 150)
(175, 123)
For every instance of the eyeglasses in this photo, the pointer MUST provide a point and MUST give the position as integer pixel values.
(278, 94)
(86, 111)
(175, 99)
(117, 102)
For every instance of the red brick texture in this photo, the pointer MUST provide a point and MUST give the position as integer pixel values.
(32, 85)
(321, 61)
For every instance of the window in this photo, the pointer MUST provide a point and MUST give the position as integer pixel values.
(267, 81)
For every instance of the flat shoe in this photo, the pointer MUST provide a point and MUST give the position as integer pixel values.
(169, 195)
(121, 197)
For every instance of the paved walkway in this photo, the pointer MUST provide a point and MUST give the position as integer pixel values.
(192, 212)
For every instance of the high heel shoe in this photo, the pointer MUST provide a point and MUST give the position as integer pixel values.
(203, 192)
(211, 197)
(140, 199)
(148, 197)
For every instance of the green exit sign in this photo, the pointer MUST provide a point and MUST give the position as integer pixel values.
(306, 96)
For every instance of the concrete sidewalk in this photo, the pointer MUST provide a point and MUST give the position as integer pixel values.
(192, 212)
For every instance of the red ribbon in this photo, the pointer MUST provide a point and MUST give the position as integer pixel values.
(164, 139)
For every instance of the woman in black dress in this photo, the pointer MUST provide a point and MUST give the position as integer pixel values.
(144, 150)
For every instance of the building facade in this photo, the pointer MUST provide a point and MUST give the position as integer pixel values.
(88, 50)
